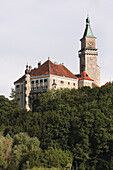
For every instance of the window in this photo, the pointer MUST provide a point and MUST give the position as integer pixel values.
(32, 82)
(53, 80)
(73, 84)
(91, 58)
(32, 88)
(41, 81)
(36, 81)
(45, 80)
(68, 83)
(17, 86)
(62, 82)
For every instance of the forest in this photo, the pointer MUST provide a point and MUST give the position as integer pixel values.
(65, 128)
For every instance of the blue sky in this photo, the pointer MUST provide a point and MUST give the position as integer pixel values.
(33, 30)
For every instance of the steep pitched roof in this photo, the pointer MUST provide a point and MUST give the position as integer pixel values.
(95, 85)
(84, 76)
(88, 31)
(107, 83)
(49, 68)
(20, 80)
(55, 69)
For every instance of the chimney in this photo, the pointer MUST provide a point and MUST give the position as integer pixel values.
(39, 64)
(55, 62)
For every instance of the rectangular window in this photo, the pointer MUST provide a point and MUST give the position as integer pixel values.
(68, 83)
(36, 81)
(17, 86)
(32, 82)
(45, 80)
(41, 81)
(73, 84)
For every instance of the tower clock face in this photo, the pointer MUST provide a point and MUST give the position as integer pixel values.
(90, 43)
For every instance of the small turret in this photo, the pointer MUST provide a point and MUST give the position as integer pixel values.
(27, 71)
(27, 86)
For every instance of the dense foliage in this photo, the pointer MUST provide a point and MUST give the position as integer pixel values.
(65, 127)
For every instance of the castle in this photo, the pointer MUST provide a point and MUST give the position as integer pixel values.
(51, 75)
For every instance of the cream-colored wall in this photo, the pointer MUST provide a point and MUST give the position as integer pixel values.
(58, 80)
(20, 94)
(85, 83)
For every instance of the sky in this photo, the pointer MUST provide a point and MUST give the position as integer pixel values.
(33, 30)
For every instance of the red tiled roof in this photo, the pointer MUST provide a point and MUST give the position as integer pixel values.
(96, 85)
(107, 83)
(55, 69)
(50, 68)
(84, 76)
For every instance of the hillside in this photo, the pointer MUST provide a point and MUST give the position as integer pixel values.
(65, 127)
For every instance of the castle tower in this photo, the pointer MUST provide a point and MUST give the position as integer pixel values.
(88, 54)
(27, 87)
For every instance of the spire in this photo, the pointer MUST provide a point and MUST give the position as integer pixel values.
(88, 31)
